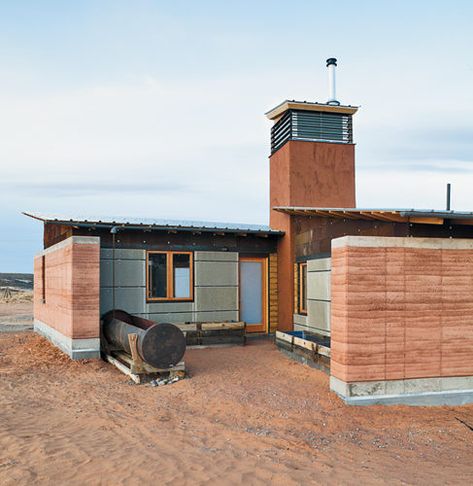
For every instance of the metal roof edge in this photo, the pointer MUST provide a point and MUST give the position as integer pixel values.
(149, 225)
(402, 212)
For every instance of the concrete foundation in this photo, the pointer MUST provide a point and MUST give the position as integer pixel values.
(74, 348)
(420, 391)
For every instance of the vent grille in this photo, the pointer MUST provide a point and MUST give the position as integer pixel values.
(311, 126)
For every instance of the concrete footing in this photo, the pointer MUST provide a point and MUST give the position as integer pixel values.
(456, 390)
(74, 348)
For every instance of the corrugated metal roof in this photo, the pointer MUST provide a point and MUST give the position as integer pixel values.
(421, 216)
(133, 222)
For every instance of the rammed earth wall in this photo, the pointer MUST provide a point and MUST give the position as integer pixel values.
(66, 295)
(402, 310)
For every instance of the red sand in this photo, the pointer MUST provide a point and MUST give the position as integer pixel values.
(247, 415)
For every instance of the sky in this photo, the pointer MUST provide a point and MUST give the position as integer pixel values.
(156, 108)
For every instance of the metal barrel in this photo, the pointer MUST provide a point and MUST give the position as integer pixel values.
(160, 345)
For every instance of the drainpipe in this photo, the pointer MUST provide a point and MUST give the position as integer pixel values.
(113, 231)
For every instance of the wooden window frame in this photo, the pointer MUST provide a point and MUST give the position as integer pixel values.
(170, 277)
(302, 306)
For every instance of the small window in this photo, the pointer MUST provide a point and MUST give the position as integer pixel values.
(43, 279)
(302, 288)
(169, 276)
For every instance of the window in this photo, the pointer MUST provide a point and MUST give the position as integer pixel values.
(169, 275)
(302, 288)
(43, 279)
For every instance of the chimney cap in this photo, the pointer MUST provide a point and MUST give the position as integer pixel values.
(280, 109)
(331, 60)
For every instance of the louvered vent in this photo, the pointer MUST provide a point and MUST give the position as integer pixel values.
(311, 126)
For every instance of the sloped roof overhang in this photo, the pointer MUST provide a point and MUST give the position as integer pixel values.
(418, 216)
(149, 224)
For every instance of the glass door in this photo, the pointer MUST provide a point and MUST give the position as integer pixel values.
(253, 293)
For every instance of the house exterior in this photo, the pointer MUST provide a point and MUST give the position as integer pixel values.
(166, 271)
(392, 288)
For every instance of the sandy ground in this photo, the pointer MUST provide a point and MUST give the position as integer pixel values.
(247, 415)
(17, 313)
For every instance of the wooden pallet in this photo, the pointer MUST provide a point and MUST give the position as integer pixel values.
(304, 351)
(179, 370)
(203, 334)
(303, 343)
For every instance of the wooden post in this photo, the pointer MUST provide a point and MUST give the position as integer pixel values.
(137, 366)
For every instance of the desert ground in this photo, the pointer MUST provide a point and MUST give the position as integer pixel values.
(17, 313)
(247, 415)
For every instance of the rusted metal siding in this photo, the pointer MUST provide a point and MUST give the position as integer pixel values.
(313, 235)
(54, 233)
(167, 240)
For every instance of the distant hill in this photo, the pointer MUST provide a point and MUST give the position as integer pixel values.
(19, 281)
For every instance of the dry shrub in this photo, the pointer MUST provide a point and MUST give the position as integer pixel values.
(16, 297)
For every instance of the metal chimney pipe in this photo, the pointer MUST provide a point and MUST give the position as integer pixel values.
(332, 97)
(449, 193)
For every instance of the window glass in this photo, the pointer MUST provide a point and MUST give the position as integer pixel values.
(251, 292)
(181, 275)
(158, 275)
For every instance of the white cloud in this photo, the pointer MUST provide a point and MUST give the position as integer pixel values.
(407, 188)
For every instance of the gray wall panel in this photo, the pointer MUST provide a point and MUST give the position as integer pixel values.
(216, 274)
(166, 307)
(215, 256)
(318, 285)
(130, 299)
(216, 299)
(172, 317)
(128, 273)
(106, 253)
(319, 264)
(318, 314)
(214, 316)
(300, 319)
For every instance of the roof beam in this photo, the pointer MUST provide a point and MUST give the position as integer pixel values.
(418, 220)
(368, 215)
(346, 215)
(390, 216)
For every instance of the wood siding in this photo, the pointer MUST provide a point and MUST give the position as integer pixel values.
(273, 292)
